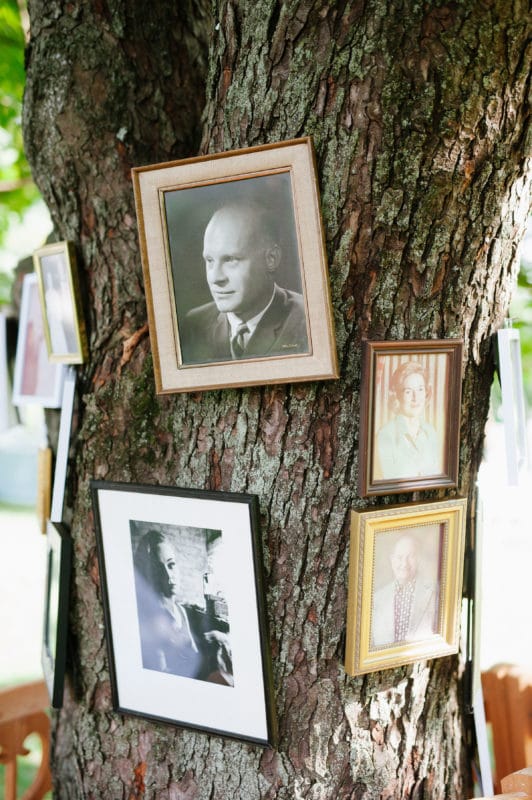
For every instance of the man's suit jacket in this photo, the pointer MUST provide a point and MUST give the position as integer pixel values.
(205, 332)
(422, 615)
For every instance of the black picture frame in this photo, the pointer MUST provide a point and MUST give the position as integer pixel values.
(191, 649)
(56, 605)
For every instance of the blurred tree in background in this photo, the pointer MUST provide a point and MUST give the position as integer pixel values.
(19, 195)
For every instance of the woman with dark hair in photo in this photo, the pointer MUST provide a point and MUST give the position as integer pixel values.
(408, 445)
(172, 637)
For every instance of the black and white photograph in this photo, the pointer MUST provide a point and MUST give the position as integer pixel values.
(235, 269)
(406, 566)
(184, 608)
(182, 612)
(242, 236)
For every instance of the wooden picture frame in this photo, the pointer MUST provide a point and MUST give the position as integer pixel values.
(44, 487)
(410, 415)
(229, 239)
(36, 379)
(63, 446)
(405, 584)
(64, 325)
(184, 608)
(56, 604)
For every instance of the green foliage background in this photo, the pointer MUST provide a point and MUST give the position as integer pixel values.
(17, 190)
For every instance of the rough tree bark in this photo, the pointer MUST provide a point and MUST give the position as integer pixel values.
(419, 118)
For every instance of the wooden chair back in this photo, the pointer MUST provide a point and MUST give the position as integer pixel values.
(22, 712)
(507, 691)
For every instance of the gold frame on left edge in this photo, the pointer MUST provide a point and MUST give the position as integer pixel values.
(436, 528)
(64, 325)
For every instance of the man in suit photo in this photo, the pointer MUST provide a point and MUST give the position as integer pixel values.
(405, 608)
(250, 315)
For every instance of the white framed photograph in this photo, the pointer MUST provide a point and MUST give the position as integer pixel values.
(63, 445)
(184, 610)
(36, 380)
(513, 402)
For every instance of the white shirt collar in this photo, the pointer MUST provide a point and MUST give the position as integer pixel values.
(252, 323)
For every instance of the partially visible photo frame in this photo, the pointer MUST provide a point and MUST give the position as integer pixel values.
(63, 445)
(8, 417)
(513, 402)
(184, 608)
(36, 379)
(44, 486)
(405, 584)
(56, 605)
(410, 415)
(64, 325)
(235, 269)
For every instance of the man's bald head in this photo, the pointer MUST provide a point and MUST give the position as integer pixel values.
(241, 256)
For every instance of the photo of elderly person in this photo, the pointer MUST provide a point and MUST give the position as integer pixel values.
(177, 637)
(250, 314)
(236, 270)
(408, 445)
(405, 607)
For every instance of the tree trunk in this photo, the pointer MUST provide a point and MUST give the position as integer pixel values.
(419, 119)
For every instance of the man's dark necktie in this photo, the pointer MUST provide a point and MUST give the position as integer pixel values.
(238, 342)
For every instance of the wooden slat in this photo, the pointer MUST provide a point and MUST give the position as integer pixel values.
(25, 699)
(507, 693)
(520, 781)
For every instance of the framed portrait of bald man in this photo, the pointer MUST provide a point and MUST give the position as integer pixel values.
(405, 584)
(235, 269)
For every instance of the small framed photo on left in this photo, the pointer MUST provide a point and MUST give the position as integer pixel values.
(36, 380)
(56, 603)
(64, 326)
(184, 610)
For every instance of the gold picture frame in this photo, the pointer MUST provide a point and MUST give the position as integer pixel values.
(405, 584)
(410, 415)
(258, 210)
(64, 324)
